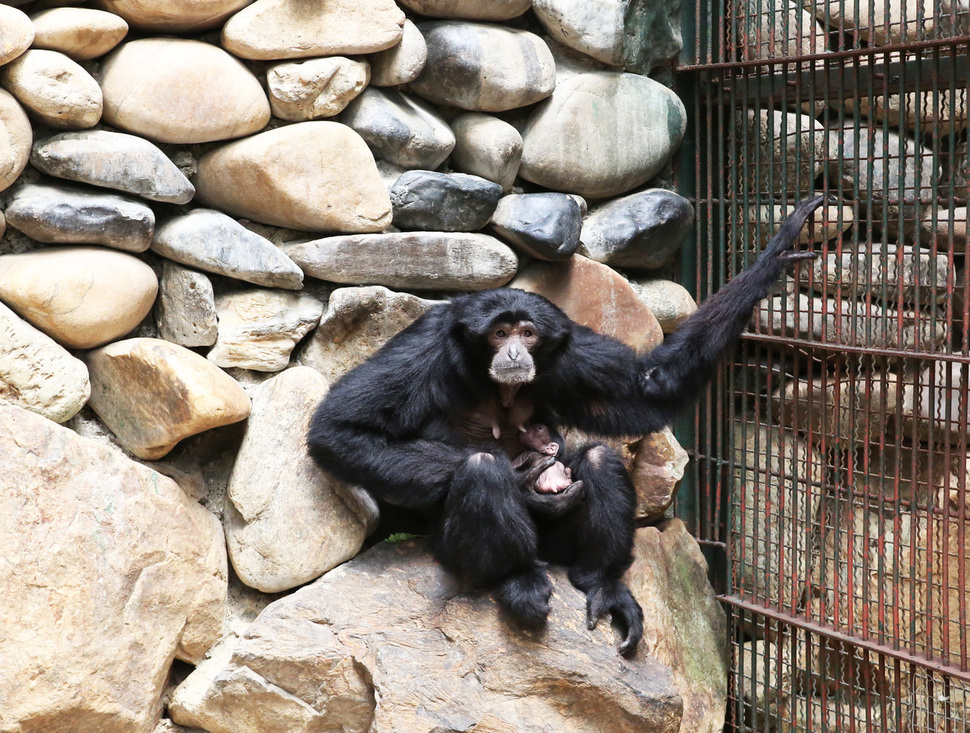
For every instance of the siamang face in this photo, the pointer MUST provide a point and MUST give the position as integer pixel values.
(512, 347)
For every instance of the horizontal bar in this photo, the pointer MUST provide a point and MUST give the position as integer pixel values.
(858, 642)
(809, 345)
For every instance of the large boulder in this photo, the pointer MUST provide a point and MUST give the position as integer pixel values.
(16, 137)
(390, 642)
(111, 571)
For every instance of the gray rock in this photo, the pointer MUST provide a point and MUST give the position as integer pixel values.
(358, 650)
(401, 63)
(488, 147)
(113, 160)
(287, 522)
(443, 202)
(185, 311)
(781, 151)
(418, 260)
(214, 242)
(259, 328)
(642, 230)
(399, 129)
(66, 215)
(601, 134)
(486, 68)
(543, 225)
(357, 322)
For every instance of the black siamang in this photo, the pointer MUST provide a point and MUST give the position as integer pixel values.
(433, 422)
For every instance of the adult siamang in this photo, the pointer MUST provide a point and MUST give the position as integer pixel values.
(433, 422)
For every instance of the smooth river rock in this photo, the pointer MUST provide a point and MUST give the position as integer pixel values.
(211, 241)
(56, 89)
(401, 63)
(482, 67)
(313, 176)
(38, 374)
(291, 29)
(16, 137)
(113, 160)
(113, 571)
(543, 225)
(601, 134)
(70, 215)
(488, 147)
(18, 33)
(640, 231)
(409, 260)
(306, 90)
(399, 129)
(173, 15)
(287, 522)
(81, 33)
(151, 394)
(185, 311)
(259, 328)
(80, 296)
(443, 202)
(781, 151)
(198, 92)
(670, 302)
(469, 9)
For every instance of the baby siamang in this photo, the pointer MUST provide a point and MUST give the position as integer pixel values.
(433, 422)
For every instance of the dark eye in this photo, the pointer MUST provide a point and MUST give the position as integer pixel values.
(501, 333)
(527, 333)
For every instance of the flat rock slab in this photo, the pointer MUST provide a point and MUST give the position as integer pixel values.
(151, 394)
(595, 296)
(483, 67)
(291, 29)
(113, 160)
(211, 241)
(113, 571)
(389, 642)
(198, 93)
(418, 260)
(67, 215)
(80, 296)
(443, 202)
(287, 523)
(601, 134)
(185, 311)
(399, 129)
(38, 374)
(358, 322)
(56, 89)
(313, 176)
(174, 15)
(81, 33)
(15, 139)
(640, 231)
(543, 225)
(259, 328)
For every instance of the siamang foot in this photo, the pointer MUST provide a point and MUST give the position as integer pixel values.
(526, 597)
(614, 597)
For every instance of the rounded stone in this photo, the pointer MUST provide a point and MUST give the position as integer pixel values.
(81, 297)
(469, 9)
(197, 92)
(401, 63)
(545, 225)
(443, 202)
(17, 35)
(16, 137)
(783, 151)
(174, 15)
(55, 88)
(486, 68)
(601, 134)
(488, 147)
(81, 33)
(292, 29)
(314, 176)
(306, 90)
(670, 302)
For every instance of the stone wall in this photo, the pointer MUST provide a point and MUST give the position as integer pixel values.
(213, 209)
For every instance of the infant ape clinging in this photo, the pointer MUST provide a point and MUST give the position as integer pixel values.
(433, 421)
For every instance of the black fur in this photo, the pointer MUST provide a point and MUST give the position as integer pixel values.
(388, 425)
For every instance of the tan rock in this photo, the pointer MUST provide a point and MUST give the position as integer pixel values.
(185, 311)
(656, 468)
(59, 91)
(3, 223)
(670, 302)
(152, 394)
(174, 15)
(113, 571)
(81, 296)
(290, 29)
(17, 35)
(15, 139)
(401, 63)
(81, 33)
(198, 94)
(36, 373)
(306, 90)
(469, 9)
(761, 223)
(933, 405)
(259, 328)
(357, 322)
(669, 579)
(286, 521)
(596, 296)
(942, 110)
(315, 176)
